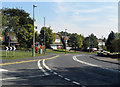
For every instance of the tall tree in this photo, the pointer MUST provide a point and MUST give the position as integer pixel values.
(75, 41)
(109, 41)
(25, 36)
(93, 41)
(49, 36)
(19, 22)
(90, 42)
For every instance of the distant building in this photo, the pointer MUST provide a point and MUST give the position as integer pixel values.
(57, 44)
(100, 44)
(13, 41)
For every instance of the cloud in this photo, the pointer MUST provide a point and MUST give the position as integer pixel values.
(88, 10)
(83, 18)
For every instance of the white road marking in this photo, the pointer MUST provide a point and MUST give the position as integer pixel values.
(3, 70)
(45, 65)
(74, 58)
(55, 73)
(9, 78)
(67, 79)
(76, 83)
(22, 78)
(60, 76)
(42, 68)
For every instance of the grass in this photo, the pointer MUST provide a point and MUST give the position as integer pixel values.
(62, 51)
(18, 54)
(118, 59)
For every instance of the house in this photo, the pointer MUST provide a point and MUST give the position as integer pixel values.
(13, 41)
(57, 44)
(101, 44)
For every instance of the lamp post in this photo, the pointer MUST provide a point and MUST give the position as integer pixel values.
(44, 37)
(65, 41)
(33, 52)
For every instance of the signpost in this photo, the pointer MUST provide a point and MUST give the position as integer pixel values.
(10, 49)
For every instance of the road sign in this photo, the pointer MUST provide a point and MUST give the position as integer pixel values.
(14, 48)
(10, 48)
(6, 48)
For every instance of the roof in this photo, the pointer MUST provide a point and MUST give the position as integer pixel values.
(99, 41)
(65, 37)
(57, 37)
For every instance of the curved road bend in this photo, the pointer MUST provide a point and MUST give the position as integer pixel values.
(63, 70)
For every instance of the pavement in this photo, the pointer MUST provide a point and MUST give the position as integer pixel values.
(105, 59)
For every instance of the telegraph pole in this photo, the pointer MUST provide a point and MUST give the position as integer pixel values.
(65, 41)
(44, 37)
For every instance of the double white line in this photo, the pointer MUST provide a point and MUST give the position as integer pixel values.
(41, 68)
(55, 73)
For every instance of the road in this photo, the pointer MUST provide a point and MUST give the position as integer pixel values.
(72, 70)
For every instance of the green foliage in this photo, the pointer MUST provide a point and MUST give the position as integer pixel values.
(90, 41)
(25, 36)
(113, 42)
(49, 36)
(110, 40)
(93, 41)
(62, 33)
(12, 18)
(18, 22)
(75, 41)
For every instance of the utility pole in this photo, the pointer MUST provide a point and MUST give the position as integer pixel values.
(44, 37)
(33, 52)
(89, 43)
(102, 42)
(65, 41)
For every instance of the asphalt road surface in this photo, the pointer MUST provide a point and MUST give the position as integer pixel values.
(72, 70)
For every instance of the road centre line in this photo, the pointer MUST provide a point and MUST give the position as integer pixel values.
(45, 65)
(76, 83)
(42, 68)
(28, 61)
(75, 58)
(67, 79)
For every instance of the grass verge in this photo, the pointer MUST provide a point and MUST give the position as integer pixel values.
(118, 59)
(62, 51)
(18, 54)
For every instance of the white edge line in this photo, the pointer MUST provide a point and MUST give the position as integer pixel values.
(74, 57)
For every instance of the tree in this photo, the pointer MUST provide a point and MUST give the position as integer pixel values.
(49, 36)
(25, 36)
(90, 42)
(115, 43)
(19, 22)
(109, 41)
(75, 41)
(12, 18)
(93, 41)
(115, 47)
(62, 33)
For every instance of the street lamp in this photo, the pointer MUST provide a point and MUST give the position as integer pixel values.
(65, 41)
(33, 53)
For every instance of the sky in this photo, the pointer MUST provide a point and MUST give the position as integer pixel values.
(99, 18)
